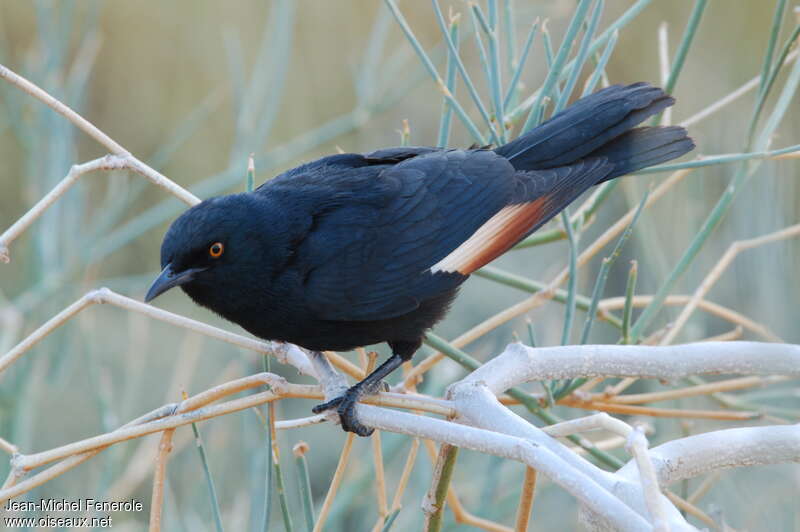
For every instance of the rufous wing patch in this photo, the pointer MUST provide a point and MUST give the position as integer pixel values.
(493, 238)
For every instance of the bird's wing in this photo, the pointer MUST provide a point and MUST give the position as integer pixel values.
(370, 256)
(441, 215)
(538, 196)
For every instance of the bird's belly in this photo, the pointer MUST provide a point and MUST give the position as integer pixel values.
(322, 335)
(303, 329)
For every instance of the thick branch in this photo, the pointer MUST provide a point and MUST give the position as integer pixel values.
(575, 482)
(518, 363)
(700, 454)
(478, 407)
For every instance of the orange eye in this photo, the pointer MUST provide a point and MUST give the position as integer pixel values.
(216, 250)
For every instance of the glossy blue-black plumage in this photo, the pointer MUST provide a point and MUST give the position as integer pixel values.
(338, 253)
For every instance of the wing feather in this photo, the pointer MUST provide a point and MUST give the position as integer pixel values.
(429, 221)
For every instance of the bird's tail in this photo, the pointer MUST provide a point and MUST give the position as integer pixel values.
(602, 125)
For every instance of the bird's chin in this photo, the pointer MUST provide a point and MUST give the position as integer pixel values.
(199, 293)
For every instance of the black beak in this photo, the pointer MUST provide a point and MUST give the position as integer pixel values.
(169, 279)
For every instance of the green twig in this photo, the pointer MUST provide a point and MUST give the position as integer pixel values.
(452, 60)
(405, 133)
(630, 288)
(251, 174)
(609, 261)
(479, 25)
(526, 48)
(722, 206)
(437, 496)
(632, 12)
(495, 78)
(601, 65)
(387, 526)
(770, 81)
(304, 483)
(597, 293)
(212, 491)
(572, 282)
(511, 37)
(549, 57)
(276, 463)
(686, 43)
(558, 63)
(531, 332)
(777, 22)
(719, 159)
(580, 59)
(428, 64)
(529, 285)
(683, 50)
(454, 54)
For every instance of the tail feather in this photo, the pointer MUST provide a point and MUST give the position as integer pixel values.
(592, 141)
(585, 127)
(643, 147)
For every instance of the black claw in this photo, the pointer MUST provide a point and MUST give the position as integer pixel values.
(347, 415)
(333, 403)
(345, 407)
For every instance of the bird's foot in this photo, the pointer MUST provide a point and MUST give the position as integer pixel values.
(345, 406)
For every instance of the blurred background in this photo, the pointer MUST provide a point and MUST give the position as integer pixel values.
(192, 88)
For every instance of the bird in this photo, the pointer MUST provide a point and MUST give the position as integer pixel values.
(352, 249)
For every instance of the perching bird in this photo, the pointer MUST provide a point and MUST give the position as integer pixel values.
(352, 250)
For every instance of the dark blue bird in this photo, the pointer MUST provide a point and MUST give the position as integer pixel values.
(352, 250)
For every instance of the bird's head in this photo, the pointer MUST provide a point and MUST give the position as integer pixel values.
(208, 247)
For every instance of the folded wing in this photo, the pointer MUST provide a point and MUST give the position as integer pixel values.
(446, 214)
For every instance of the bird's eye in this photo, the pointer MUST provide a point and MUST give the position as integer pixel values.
(216, 250)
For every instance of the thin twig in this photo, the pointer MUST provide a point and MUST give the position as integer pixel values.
(526, 500)
(716, 272)
(157, 498)
(404, 476)
(335, 482)
(691, 391)
(123, 155)
(691, 509)
(8, 447)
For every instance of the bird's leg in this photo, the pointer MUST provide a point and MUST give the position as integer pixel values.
(345, 404)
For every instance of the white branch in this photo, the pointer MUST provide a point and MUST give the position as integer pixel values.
(585, 424)
(286, 353)
(478, 407)
(656, 505)
(584, 488)
(109, 162)
(702, 453)
(476, 404)
(87, 127)
(121, 158)
(623, 500)
(332, 382)
(518, 363)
